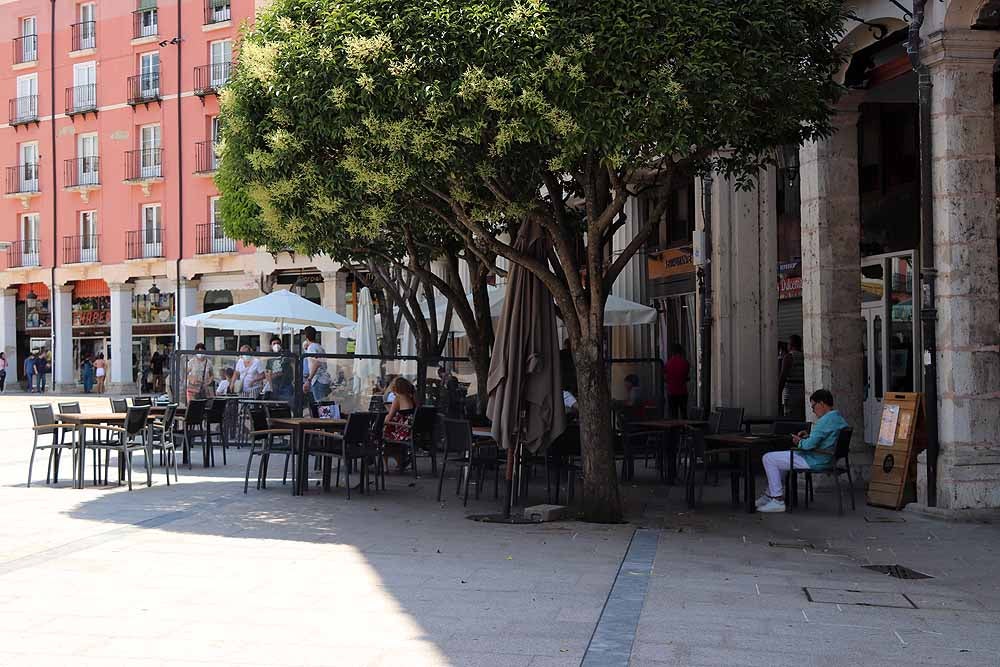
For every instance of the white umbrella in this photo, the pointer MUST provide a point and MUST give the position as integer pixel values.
(278, 312)
(366, 371)
(618, 312)
(407, 348)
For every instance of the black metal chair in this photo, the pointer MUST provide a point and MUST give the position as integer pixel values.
(139, 401)
(730, 420)
(215, 416)
(264, 441)
(129, 440)
(354, 445)
(119, 405)
(192, 430)
(840, 464)
(44, 423)
(474, 457)
(162, 438)
(560, 461)
(421, 436)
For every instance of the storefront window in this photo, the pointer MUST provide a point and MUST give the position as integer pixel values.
(901, 325)
(153, 308)
(91, 311)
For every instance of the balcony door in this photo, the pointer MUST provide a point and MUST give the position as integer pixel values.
(220, 55)
(88, 25)
(29, 45)
(30, 231)
(28, 171)
(149, 75)
(220, 11)
(148, 20)
(88, 236)
(152, 232)
(149, 151)
(86, 164)
(27, 97)
(218, 235)
(216, 135)
(84, 85)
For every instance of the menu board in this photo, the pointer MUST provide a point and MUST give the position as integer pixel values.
(900, 439)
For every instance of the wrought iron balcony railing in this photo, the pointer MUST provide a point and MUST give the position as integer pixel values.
(206, 160)
(23, 179)
(144, 88)
(143, 164)
(24, 253)
(209, 78)
(144, 243)
(83, 35)
(24, 109)
(81, 249)
(211, 238)
(145, 23)
(81, 171)
(81, 99)
(217, 11)
(25, 49)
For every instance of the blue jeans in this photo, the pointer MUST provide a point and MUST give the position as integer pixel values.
(319, 391)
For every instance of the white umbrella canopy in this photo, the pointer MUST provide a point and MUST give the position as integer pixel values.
(366, 371)
(618, 312)
(407, 348)
(282, 311)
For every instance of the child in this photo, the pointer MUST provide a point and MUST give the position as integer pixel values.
(227, 379)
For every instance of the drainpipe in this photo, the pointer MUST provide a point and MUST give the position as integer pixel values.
(928, 273)
(55, 193)
(705, 280)
(180, 189)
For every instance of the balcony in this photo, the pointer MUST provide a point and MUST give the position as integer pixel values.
(81, 249)
(206, 161)
(144, 88)
(217, 11)
(146, 243)
(82, 174)
(24, 110)
(211, 238)
(23, 182)
(83, 36)
(209, 78)
(145, 23)
(81, 99)
(143, 167)
(23, 254)
(25, 49)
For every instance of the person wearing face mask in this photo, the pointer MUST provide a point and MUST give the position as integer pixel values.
(200, 375)
(249, 373)
(279, 373)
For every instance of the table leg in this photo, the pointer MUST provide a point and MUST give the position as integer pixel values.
(303, 460)
(80, 467)
(671, 455)
(751, 484)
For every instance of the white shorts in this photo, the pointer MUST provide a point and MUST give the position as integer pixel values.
(100, 372)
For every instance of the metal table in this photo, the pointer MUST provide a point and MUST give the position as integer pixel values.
(297, 425)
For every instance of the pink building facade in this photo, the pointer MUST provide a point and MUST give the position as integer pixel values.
(109, 206)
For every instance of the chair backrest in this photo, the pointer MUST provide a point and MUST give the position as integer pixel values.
(730, 420)
(714, 423)
(71, 408)
(195, 412)
(119, 405)
(41, 415)
(784, 427)
(457, 435)
(423, 423)
(358, 427)
(843, 447)
(278, 411)
(258, 418)
(378, 425)
(216, 409)
(696, 413)
(135, 419)
(168, 417)
(139, 401)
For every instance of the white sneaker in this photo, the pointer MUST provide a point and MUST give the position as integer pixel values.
(764, 498)
(772, 505)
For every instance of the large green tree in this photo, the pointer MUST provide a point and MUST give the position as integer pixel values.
(351, 114)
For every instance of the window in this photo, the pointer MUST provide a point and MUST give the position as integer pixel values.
(86, 159)
(28, 167)
(29, 40)
(220, 56)
(26, 104)
(149, 75)
(214, 132)
(149, 151)
(30, 228)
(88, 236)
(146, 20)
(152, 231)
(217, 11)
(88, 26)
(84, 85)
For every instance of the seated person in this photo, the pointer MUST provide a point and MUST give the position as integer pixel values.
(226, 382)
(633, 396)
(569, 402)
(399, 420)
(813, 451)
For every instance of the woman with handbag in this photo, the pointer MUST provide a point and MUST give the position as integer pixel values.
(200, 375)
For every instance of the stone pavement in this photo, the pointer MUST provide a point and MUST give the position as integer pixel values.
(198, 573)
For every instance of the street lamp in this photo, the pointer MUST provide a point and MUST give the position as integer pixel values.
(154, 291)
(300, 286)
(31, 299)
(788, 160)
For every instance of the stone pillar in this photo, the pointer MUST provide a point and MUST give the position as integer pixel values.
(745, 299)
(121, 339)
(833, 329)
(965, 255)
(334, 297)
(8, 333)
(62, 355)
(187, 304)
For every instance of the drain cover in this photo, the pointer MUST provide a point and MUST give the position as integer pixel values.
(860, 598)
(884, 519)
(794, 544)
(898, 571)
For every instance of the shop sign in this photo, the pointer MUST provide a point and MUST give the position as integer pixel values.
(671, 262)
(91, 311)
(153, 309)
(789, 280)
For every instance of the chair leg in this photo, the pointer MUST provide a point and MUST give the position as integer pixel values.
(31, 464)
(284, 475)
(444, 465)
(246, 479)
(840, 497)
(347, 478)
(127, 456)
(850, 486)
(468, 474)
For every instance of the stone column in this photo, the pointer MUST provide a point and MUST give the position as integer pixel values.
(833, 329)
(121, 339)
(8, 333)
(965, 255)
(187, 304)
(62, 355)
(334, 297)
(745, 299)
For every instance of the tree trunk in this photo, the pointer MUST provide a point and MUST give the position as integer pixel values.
(480, 356)
(601, 497)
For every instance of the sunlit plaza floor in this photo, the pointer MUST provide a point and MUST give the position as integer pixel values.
(199, 573)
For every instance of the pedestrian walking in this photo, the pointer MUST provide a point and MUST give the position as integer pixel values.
(100, 372)
(156, 368)
(3, 371)
(792, 381)
(41, 370)
(29, 370)
(87, 374)
(676, 373)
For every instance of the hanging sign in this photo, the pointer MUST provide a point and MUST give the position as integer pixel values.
(671, 262)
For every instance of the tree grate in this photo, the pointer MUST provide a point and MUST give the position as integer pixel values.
(898, 571)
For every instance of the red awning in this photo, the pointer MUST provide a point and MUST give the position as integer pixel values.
(90, 288)
(41, 290)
